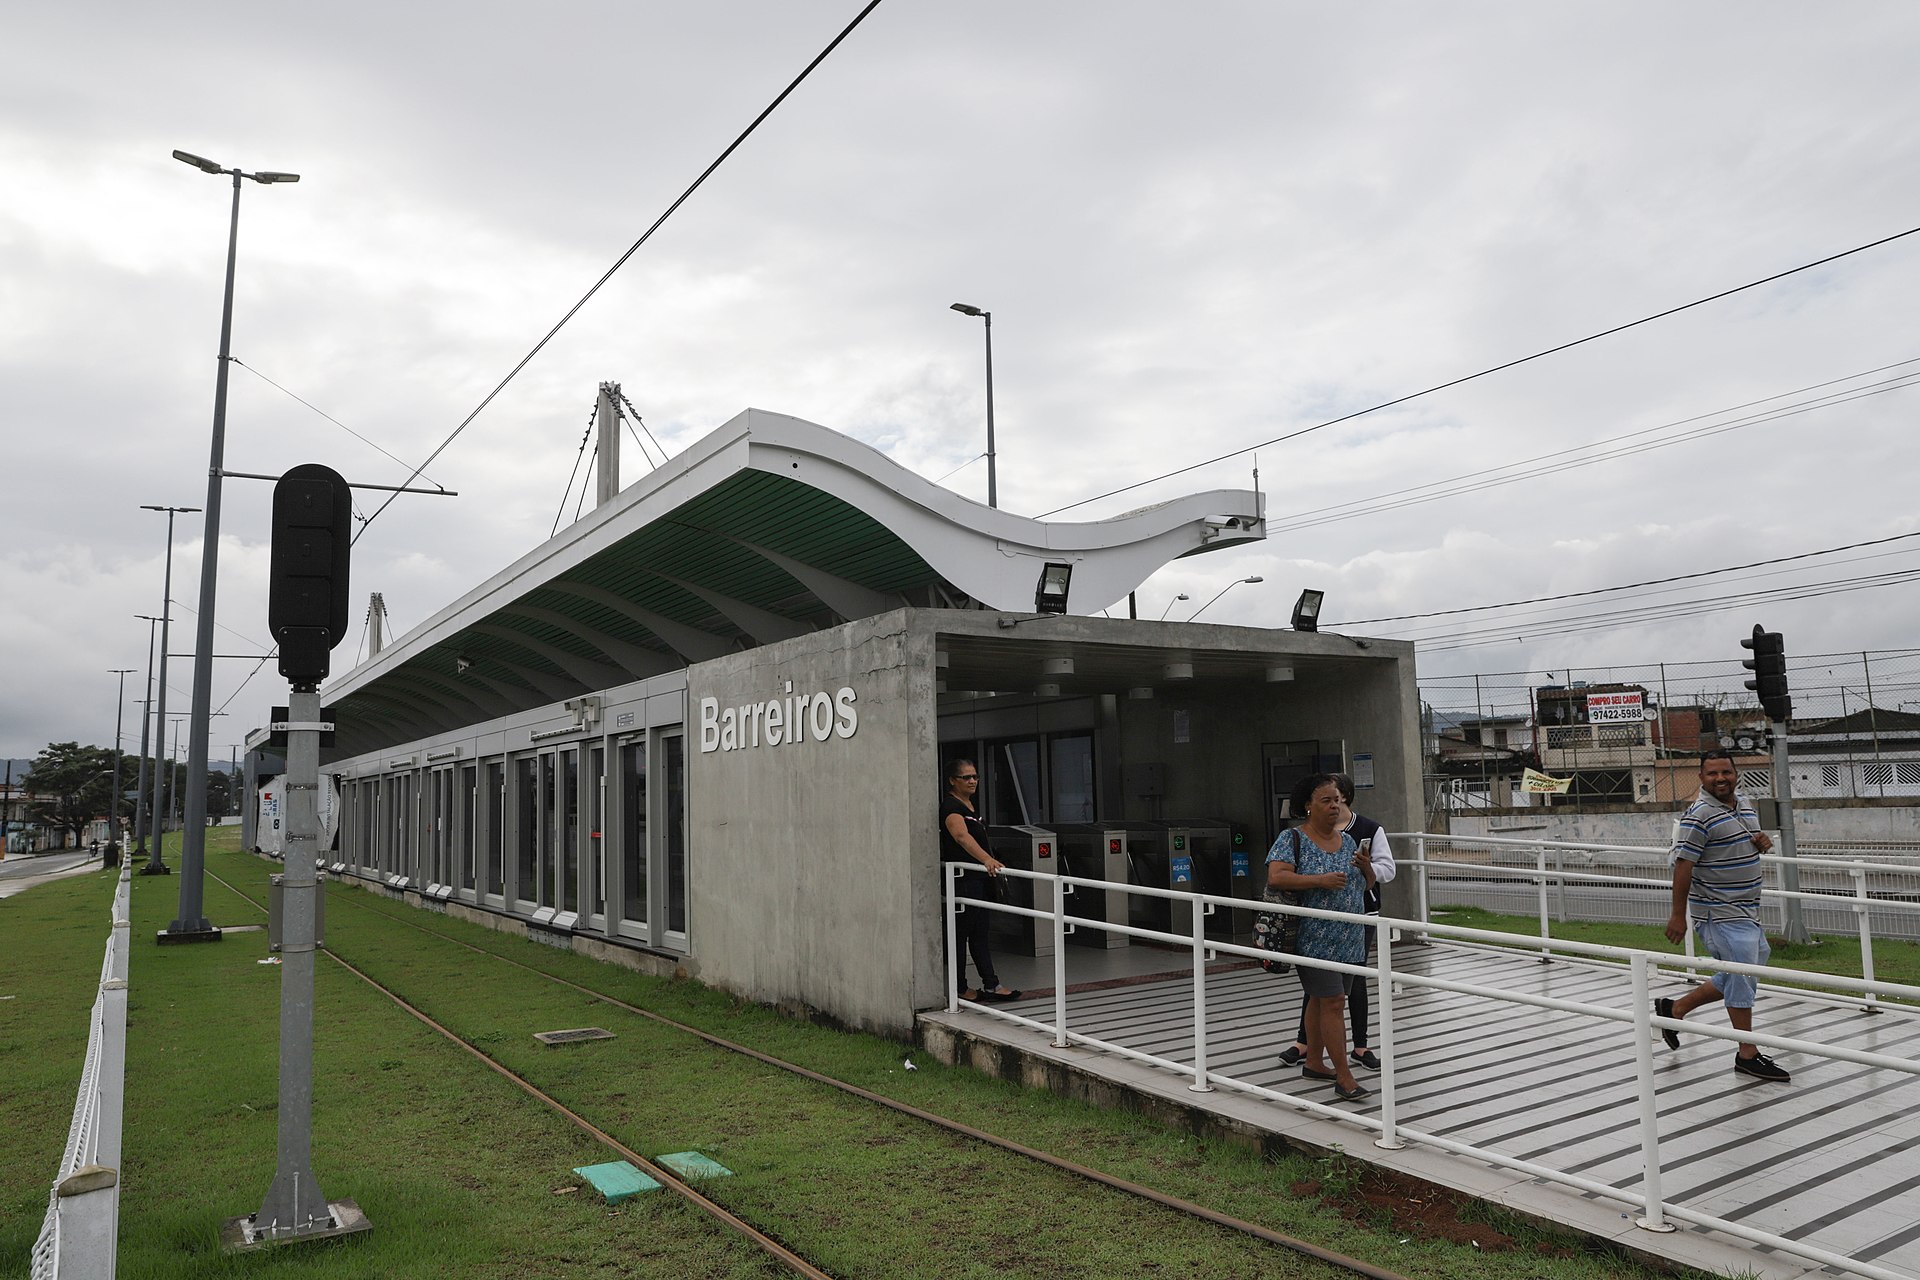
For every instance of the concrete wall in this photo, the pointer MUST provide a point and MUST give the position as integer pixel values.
(811, 862)
(1816, 822)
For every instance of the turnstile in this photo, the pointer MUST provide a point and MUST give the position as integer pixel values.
(1221, 864)
(1096, 851)
(1026, 849)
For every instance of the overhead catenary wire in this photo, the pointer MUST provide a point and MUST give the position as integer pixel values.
(1493, 477)
(1488, 372)
(1633, 586)
(631, 250)
(335, 421)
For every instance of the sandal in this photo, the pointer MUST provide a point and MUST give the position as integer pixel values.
(1000, 997)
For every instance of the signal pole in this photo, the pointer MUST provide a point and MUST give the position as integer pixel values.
(1769, 667)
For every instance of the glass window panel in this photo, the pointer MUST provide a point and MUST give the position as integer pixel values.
(469, 791)
(596, 794)
(1070, 766)
(569, 850)
(674, 749)
(494, 800)
(633, 832)
(526, 843)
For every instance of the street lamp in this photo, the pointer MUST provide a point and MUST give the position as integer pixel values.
(113, 810)
(1230, 586)
(993, 481)
(1169, 609)
(191, 924)
(141, 807)
(156, 867)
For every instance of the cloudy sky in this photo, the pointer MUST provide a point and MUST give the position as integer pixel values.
(1198, 227)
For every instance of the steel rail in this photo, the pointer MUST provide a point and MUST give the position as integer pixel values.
(664, 1176)
(1304, 1247)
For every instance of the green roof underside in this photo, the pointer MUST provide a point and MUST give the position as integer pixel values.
(550, 644)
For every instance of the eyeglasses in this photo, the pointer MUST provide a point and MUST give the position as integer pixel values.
(966, 777)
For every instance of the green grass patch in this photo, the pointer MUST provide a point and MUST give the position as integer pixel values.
(1893, 961)
(458, 1170)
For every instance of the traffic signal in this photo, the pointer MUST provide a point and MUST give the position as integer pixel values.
(307, 581)
(1769, 667)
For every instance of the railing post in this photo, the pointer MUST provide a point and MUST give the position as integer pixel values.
(1655, 1218)
(951, 894)
(1198, 912)
(1865, 921)
(1560, 882)
(1060, 892)
(1389, 1138)
(1420, 881)
(1540, 879)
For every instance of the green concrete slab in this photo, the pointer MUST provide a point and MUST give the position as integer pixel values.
(693, 1166)
(617, 1181)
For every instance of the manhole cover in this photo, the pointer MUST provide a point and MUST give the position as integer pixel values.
(569, 1036)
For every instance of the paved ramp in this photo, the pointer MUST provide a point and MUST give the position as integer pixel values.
(1832, 1159)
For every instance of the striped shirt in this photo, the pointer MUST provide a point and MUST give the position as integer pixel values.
(1718, 840)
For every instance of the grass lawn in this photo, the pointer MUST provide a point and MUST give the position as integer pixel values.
(463, 1175)
(1893, 961)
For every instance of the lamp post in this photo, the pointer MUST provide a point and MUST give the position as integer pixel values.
(155, 866)
(113, 809)
(993, 478)
(141, 805)
(1230, 586)
(1169, 609)
(190, 924)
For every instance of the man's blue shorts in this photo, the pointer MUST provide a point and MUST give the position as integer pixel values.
(1741, 941)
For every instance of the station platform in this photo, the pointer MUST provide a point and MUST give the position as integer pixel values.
(1831, 1159)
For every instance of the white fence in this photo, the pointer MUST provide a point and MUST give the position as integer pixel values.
(1630, 884)
(80, 1235)
(1654, 1213)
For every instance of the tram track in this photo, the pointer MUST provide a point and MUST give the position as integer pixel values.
(761, 1239)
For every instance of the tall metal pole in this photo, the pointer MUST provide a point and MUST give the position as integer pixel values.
(993, 473)
(6, 808)
(1789, 870)
(113, 809)
(142, 802)
(155, 865)
(190, 923)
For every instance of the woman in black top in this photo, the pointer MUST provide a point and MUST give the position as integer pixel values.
(962, 839)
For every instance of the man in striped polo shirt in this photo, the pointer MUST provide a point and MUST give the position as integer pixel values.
(1716, 882)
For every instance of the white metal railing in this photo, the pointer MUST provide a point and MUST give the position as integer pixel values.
(80, 1234)
(1649, 1199)
(1853, 896)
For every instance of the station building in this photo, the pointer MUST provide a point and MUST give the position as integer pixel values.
(703, 730)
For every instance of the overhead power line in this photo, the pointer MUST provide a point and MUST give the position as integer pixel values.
(330, 418)
(1629, 586)
(1510, 364)
(1496, 477)
(631, 250)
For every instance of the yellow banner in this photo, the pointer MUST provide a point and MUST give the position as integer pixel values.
(1537, 783)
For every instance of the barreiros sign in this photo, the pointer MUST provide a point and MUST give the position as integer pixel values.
(787, 720)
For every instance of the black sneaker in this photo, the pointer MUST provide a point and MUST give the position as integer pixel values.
(1365, 1057)
(1291, 1056)
(1761, 1067)
(1663, 1008)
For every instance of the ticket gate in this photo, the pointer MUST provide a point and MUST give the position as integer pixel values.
(1027, 849)
(1096, 851)
(1158, 855)
(1221, 864)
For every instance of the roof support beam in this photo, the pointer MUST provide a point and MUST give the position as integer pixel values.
(848, 599)
(591, 675)
(690, 643)
(763, 625)
(637, 659)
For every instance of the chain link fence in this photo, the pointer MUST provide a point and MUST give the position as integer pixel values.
(1634, 734)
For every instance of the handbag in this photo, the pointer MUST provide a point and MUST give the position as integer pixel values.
(1278, 932)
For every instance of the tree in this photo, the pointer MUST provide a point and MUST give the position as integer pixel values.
(220, 791)
(71, 784)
